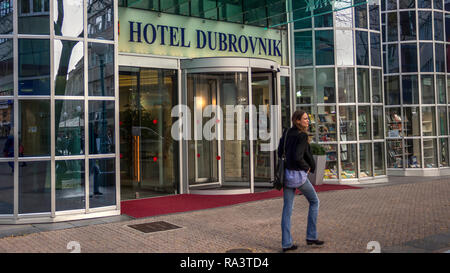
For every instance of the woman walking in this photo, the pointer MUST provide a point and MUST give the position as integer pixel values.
(299, 162)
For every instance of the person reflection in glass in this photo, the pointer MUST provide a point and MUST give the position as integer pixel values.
(8, 149)
(96, 172)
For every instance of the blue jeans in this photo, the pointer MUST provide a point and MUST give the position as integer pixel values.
(288, 198)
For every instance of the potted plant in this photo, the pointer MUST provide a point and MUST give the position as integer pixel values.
(320, 158)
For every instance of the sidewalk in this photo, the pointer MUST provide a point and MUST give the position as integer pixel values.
(400, 217)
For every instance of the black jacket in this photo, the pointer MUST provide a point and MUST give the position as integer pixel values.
(298, 151)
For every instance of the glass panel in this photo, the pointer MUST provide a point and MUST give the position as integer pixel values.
(437, 4)
(101, 69)
(7, 189)
(101, 127)
(410, 89)
(203, 8)
(142, 4)
(374, 17)
(34, 67)
(409, 58)
(392, 27)
(286, 102)
(393, 58)
(33, 20)
(407, 25)
(344, 47)
(360, 15)
(68, 17)
(428, 121)
(375, 49)
(347, 123)
(407, 4)
(448, 89)
(377, 94)
(411, 121)
(69, 185)
(425, 25)
(299, 11)
(348, 161)
(363, 80)
(34, 128)
(6, 129)
(254, 13)
(438, 26)
(427, 89)
(69, 127)
(364, 123)
(102, 182)
(100, 19)
(304, 86)
(391, 4)
(6, 68)
(232, 12)
(443, 146)
(325, 20)
(325, 85)
(424, 4)
(393, 122)
(392, 90)
(412, 150)
(324, 47)
(331, 168)
(448, 57)
(447, 5)
(379, 165)
(346, 85)
(378, 124)
(394, 153)
(426, 57)
(365, 155)
(326, 123)
(362, 48)
(69, 68)
(440, 89)
(429, 153)
(440, 57)
(34, 187)
(344, 17)
(447, 27)
(303, 48)
(442, 117)
(6, 17)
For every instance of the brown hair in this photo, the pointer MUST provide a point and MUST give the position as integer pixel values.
(296, 116)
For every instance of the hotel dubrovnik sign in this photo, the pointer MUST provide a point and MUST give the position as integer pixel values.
(146, 32)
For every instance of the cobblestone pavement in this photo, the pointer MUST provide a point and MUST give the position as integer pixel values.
(412, 217)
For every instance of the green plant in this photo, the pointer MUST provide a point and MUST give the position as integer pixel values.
(317, 149)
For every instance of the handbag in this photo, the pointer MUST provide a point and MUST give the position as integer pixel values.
(278, 183)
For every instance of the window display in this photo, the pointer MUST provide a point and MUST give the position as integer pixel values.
(393, 122)
(394, 153)
(326, 123)
(412, 152)
(347, 122)
(365, 156)
(411, 121)
(443, 146)
(364, 122)
(429, 153)
(349, 160)
(331, 171)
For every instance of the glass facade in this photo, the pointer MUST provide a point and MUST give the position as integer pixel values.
(338, 80)
(416, 104)
(58, 107)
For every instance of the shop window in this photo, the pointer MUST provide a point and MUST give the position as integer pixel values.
(304, 86)
(365, 160)
(326, 123)
(69, 127)
(34, 187)
(34, 67)
(363, 80)
(378, 123)
(375, 49)
(303, 48)
(411, 123)
(377, 94)
(443, 146)
(438, 26)
(410, 89)
(409, 57)
(331, 167)
(69, 185)
(429, 153)
(440, 89)
(347, 123)
(68, 19)
(425, 25)
(413, 152)
(100, 20)
(362, 48)
(394, 153)
(69, 67)
(392, 90)
(442, 118)
(349, 161)
(394, 122)
(364, 123)
(346, 85)
(34, 128)
(374, 17)
(428, 121)
(101, 127)
(301, 15)
(427, 84)
(324, 47)
(325, 85)
(6, 68)
(34, 17)
(379, 160)
(360, 14)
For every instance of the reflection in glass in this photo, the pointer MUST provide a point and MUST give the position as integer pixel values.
(410, 89)
(34, 128)
(331, 167)
(437, 4)
(34, 67)
(379, 168)
(69, 68)
(102, 182)
(349, 160)
(375, 49)
(443, 146)
(429, 153)
(324, 47)
(374, 17)
(392, 26)
(34, 17)
(438, 26)
(425, 25)
(6, 68)
(442, 118)
(101, 69)
(363, 80)
(304, 86)
(440, 57)
(393, 63)
(426, 57)
(325, 20)
(360, 15)
(409, 57)
(6, 128)
(392, 90)
(378, 124)
(34, 187)
(343, 13)
(101, 19)
(407, 4)
(69, 127)
(326, 123)
(428, 121)
(365, 155)
(412, 152)
(427, 89)
(325, 85)
(7, 187)
(303, 48)
(101, 127)
(394, 153)
(393, 122)
(346, 85)
(362, 48)
(377, 94)
(299, 11)
(440, 89)
(424, 4)
(364, 121)
(6, 17)
(344, 47)
(407, 25)
(411, 121)
(69, 185)
(68, 17)
(347, 123)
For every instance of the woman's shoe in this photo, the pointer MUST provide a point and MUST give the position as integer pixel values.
(314, 242)
(293, 247)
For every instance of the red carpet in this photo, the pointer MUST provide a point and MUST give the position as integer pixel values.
(190, 202)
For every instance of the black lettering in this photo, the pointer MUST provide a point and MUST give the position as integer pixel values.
(232, 39)
(153, 34)
(138, 31)
(173, 36)
(163, 28)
